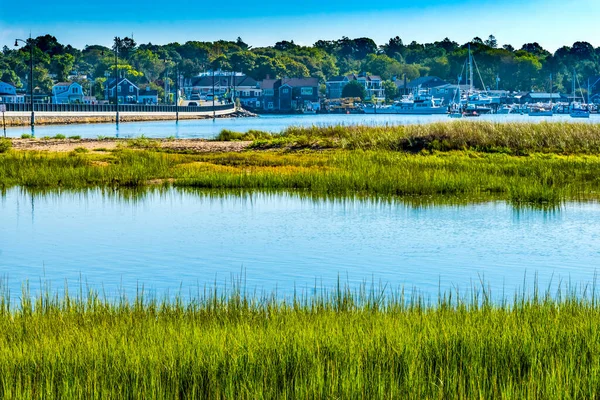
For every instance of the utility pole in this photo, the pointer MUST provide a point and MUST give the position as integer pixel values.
(30, 42)
(117, 81)
(177, 94)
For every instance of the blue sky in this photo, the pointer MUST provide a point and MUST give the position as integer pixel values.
(552, 23)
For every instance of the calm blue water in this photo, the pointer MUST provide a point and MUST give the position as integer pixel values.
(172, 240)
(209, 129)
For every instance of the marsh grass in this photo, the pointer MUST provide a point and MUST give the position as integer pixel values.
(538, 179)
(364, 343)
(5, 145)
(488, 137)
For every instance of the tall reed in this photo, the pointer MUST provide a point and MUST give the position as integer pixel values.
(368, 343)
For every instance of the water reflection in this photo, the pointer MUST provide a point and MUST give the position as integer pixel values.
(170, 238)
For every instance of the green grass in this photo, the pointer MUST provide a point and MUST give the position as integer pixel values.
(5, 145)
(535, 179)
(522, 163)
(366, 344)
(489, 137)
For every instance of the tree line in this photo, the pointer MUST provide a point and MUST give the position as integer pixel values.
(529, 68)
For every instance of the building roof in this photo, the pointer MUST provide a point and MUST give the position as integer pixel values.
(64, 84)
(223, 80)
(452, 86)
(111, 82)
(354, 77)
(424, 81)
(297, 82)
(268, 84)
(540, 95)
(8, 83)
(336, 79)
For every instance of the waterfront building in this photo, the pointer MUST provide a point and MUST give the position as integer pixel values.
(67, 93)
(539, 97)
(148, 96)
(373, 85)
(424, 82)
(247, 90)
(8, 94)
(127, 91)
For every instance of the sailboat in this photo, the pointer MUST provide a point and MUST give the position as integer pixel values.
(455, 108)
(476, 102)
(577, 109)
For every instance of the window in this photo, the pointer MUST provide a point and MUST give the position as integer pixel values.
(306, 91)
(285, 90)
(268, 92)
(246, 93)
(75, 90)
(119, 89)
(130, 89)
(270, 106)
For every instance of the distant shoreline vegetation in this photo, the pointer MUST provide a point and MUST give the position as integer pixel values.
(152, 66)
(522, 163)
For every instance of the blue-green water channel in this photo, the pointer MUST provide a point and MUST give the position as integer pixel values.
(208, 129)
(172, 240)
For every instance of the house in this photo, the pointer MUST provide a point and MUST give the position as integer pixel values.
(373, 85)
(295, 94)
(8, 94)
(335, 87)
(67, 93)
(247, 90)
(127, 91)
(148, 96)
(539, 97)
(267, 87)
(448, 92)
(424, 82)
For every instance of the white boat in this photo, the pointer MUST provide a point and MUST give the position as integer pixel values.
(419, 103)
(540, 111)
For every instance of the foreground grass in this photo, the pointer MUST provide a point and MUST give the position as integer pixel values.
(337, 345)
(539, 179)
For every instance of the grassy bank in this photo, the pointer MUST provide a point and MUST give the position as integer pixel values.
(488, 137)
(532, 179)
(522, 163)
(340, 345)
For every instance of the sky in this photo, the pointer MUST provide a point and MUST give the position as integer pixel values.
(551, 23)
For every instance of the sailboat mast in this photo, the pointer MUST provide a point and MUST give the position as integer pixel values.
(470, 70)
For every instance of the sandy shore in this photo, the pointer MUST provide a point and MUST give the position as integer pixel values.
(66, 145)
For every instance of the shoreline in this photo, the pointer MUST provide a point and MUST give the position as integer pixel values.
(19, 119)
(67, 145)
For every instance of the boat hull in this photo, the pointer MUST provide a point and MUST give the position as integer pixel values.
(541, 114)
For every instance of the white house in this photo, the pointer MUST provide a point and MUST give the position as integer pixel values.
(67, 93)
(373, 85)
(8, 94)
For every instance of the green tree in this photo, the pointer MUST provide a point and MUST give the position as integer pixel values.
(354, 89)
(391, 90)
(61, 66)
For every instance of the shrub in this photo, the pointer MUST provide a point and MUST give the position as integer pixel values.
(227, 136)
(59, 136)
(26, 136)
(5, 145)
(75, 137)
